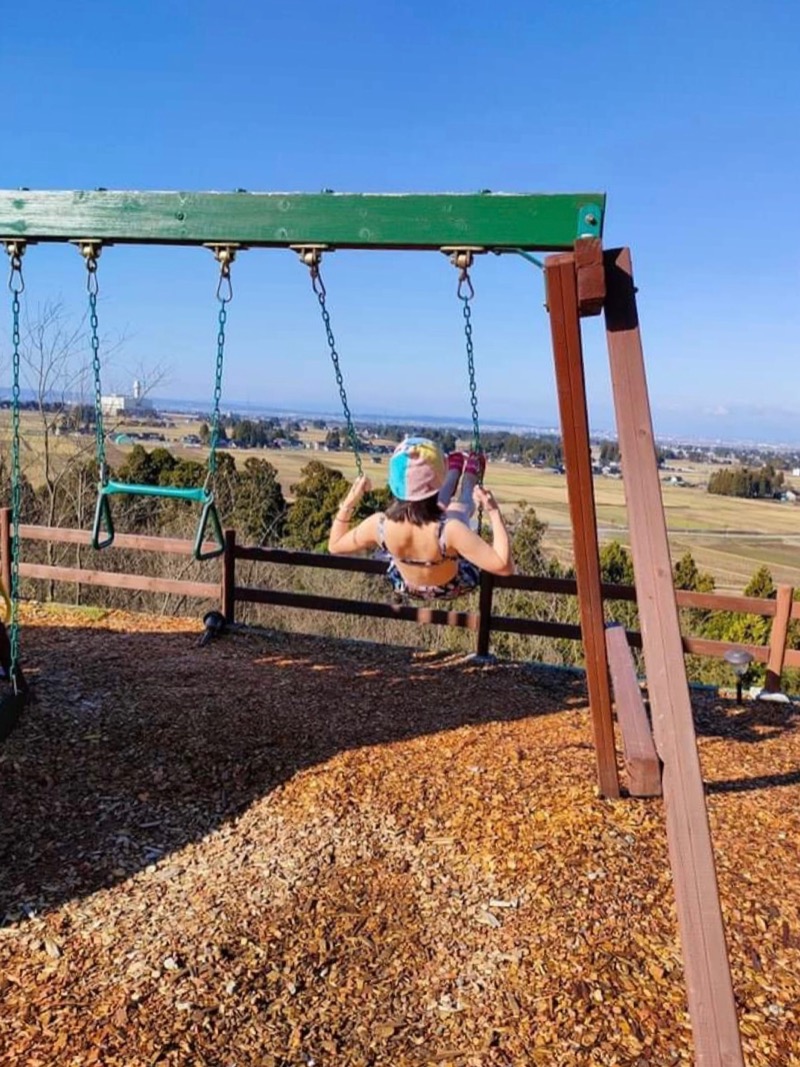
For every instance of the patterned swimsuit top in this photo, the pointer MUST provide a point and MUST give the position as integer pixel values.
(465, 579)
(444, 556)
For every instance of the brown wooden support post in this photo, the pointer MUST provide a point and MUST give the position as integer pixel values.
(5, 548)
(708, 978)
(562, 303)
(777, 638)
(591, 275)
(638, 750)
(484, 614)
(228, 590)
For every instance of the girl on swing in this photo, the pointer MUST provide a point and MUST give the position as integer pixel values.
(424, 533)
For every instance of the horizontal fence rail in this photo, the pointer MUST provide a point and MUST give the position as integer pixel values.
(108, 579)
(482, 622)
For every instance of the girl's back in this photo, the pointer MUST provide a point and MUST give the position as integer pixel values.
(419, 552)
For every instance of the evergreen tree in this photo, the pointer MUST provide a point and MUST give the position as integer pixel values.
(316, 501)
(526, 545)
(761, 584)
(259, 514)
(616, 565)
(616, 568)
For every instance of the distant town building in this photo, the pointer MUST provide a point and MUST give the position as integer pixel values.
(116, 405)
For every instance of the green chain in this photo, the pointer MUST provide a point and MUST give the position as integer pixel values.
(225, 256)
(463, 260)
(319, 288)
(91, 252)
(465, 295)
(17, 285)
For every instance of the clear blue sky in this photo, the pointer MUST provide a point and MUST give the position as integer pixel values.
(686, 114)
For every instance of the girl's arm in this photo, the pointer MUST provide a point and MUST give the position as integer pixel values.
(342, 540)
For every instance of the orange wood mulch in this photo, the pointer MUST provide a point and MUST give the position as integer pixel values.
(280, 850)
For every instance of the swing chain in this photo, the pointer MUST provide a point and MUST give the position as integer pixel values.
(90, 250)
(16, 285)
(224, 255)
(462, 259)
(311, 256)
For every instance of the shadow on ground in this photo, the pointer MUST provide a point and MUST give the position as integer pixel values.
(754, 722)
(139, 743)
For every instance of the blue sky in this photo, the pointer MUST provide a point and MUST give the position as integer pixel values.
(685, 114)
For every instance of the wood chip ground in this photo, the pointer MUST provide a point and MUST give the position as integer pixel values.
(284, 851)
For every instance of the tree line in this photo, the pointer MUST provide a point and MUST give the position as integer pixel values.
(764, 483)
(250, 499)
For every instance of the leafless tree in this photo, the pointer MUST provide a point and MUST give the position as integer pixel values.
(56, 369)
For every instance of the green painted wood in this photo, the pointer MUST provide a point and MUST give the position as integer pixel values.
(546, 222)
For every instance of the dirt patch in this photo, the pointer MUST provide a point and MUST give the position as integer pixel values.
(289, 851)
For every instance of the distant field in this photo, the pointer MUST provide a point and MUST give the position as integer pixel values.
(729, 537)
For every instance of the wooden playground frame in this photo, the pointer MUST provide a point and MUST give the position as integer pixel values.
(581, 279)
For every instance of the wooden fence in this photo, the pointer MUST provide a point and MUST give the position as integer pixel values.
(482, 622)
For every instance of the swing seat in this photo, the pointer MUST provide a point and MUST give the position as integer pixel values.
(12, 704)
(209, 517)
(13, 688)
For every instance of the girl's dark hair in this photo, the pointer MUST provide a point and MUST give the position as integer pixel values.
(417, 512)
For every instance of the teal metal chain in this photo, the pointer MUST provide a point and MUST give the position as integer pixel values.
(90, 250)
(465, 295)
(225, 256)
(16, 284)
(312, 257)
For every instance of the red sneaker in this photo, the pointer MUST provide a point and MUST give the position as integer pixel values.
(456, 461)
(476, 464)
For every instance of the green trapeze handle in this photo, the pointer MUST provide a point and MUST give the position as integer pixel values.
(209, 517)
(174, 492)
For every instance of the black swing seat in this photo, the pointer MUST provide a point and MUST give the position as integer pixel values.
(12, 704)
(13, 690)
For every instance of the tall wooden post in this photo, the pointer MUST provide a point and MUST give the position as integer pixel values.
(777, 639)
(562, 302)
(484, 614)
(708, 978)
(228, 578)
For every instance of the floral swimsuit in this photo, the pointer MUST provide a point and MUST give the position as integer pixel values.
(466, 578)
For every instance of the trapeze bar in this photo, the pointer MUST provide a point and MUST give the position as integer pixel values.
(174, 492)
(494, 221)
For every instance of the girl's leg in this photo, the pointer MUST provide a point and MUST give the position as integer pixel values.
(449, 487)
(464, 507)
(455, 465)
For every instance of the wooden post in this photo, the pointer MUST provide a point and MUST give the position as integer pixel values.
(777, 638)
(228, 590)
(5, 548)
(484, 614)
(562, 303)
(638, 751)
(708, 979)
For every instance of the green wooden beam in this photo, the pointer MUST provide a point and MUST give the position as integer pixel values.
(547, 222)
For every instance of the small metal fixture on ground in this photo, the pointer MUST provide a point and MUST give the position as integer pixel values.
(740, 660)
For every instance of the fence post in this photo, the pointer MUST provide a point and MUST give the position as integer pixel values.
(484, 614)
(228, 590)
(5, 548)
(777, 638)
